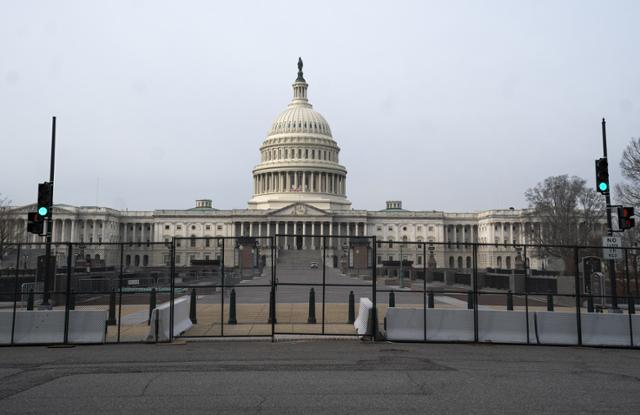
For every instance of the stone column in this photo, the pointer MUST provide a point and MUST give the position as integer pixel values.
(304, 235)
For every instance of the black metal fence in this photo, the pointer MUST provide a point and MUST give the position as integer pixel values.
(290, 284)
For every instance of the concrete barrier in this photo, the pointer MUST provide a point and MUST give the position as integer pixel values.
(604, 329)
(635, 322)
(449, 325)
(362, 321)
(498, 326)
(87, 326)
(442, 325)
(161, 316)
(47, 326)
(554, 328)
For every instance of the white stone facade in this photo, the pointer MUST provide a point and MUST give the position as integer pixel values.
(299, 189)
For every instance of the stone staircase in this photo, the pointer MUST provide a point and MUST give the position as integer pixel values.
(297, 259)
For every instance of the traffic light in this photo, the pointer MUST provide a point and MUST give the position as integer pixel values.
(35, 223)
(44, 199)
(625, 220)
(602, 175)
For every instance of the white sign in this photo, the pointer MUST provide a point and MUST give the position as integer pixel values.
(133, 282)
(608, 243)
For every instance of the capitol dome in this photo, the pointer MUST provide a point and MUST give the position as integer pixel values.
(299, 159)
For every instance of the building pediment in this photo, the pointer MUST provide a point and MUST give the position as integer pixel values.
(298, 209)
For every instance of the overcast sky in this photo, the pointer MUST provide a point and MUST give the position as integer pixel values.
(452, 105)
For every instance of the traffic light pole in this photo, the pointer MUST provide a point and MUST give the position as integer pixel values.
(49, 276)
(611, 262)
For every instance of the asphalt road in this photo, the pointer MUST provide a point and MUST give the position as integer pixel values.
(318, 376)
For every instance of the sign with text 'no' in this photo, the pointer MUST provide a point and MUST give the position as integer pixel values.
(609, 243)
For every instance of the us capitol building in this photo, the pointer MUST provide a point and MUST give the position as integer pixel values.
(299, 189)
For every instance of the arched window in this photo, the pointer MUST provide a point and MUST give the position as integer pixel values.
(452, 262)
(508, 262)
(97, 257)
(137, 260)
(145, 260)
(127, 260)
(459, 262)
(193, 241)
(499, 262)
(390, 242)
(468, 262)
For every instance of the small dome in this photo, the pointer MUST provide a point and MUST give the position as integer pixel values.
(299, 119)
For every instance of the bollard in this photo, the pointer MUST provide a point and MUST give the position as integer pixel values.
(549, 302)
(510, 301)
(111, 321)
(272, 308)
(192, 307)
(312, 307)
(470, 300)
(232, 307)
(30, 300)
(392, 299)
(430, 299)
(72, 300)
(632, 306)
(590, 304)
(352, 308)
(152, 304)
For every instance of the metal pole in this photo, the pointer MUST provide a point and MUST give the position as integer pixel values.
(68, 297)
(526, 291)
(324, 281)
(612, 262)
(578, 301)
(172, 296)
(120, 279)
(374, 289)
(15, 293)
(475, 292)
(222, 291)
(48, 277)
(424, 288)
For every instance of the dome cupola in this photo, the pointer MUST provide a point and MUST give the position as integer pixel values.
(299, 159)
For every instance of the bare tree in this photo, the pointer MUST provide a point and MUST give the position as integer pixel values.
(568, 213)
(9, 232)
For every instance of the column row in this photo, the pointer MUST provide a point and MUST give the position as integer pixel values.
(300, 181)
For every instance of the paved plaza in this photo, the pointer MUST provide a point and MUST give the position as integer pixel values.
(318, 376)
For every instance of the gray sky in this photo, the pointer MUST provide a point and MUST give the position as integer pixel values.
(452, 105)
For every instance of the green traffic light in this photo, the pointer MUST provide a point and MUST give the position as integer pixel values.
(603, 186)
(43, 211)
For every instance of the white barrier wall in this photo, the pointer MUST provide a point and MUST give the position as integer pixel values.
(161, 315)
(362, 321)
(498, 326)
(47, 326)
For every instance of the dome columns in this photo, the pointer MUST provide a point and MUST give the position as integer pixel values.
(297, 181)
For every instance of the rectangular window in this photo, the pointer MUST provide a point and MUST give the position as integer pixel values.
(208, 227)
(177, 259)
(219, 227)
(167, 259)
(207, 242)
(166, 227)
(193, 242)
(206, 257)
(419, 259)
(179, 227)
(390, 257)
(379, 259)
(178, 243)
(191, 258)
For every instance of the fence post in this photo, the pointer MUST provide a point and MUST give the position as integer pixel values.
(470, 300)
(431, 300)
(475, 293)
(577, 291)
(192, 307)
(352, 311)
(120, 284)
(112, 308)
(172, 295)
(312, 307)
(15, 294)
(272, 307)
(30, 300)
(392, 299)
(232, 307)
(509, 301)
(549, 302)
(152, 304)
(68, 294)
(590, 303)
